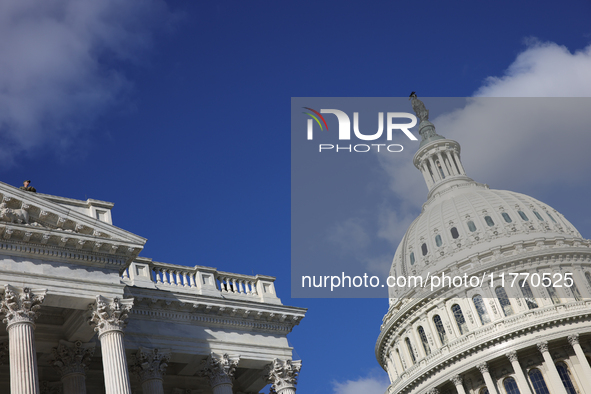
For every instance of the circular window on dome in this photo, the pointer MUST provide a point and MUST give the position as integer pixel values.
(424, 249)
(506, 217)
(412, 258)
(454, 233)
(523, 215)
(471, 226)
(489, 221)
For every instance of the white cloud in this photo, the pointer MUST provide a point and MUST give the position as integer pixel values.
(515, 143)
(544, 69)
(58, 66)
(375, 383)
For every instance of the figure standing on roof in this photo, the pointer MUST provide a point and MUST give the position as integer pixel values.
(28, 188)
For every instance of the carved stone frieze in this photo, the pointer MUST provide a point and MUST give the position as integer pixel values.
(21, 307)
(150, 364)
(109, 315)
(220, 370)
(72, 358)
(282, 374)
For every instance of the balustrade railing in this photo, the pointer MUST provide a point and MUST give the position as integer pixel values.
(200, 280)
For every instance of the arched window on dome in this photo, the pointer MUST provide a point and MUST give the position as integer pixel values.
(424, 249)
(460, 321)
(523, 215)
(412, 258)
(454, 232)
(410, 351)
(538, 382)
(481, 309)
(566, 378)
(506, 217)
(588, 277)
(504, 301)
(440, 329)
(553, 295)
(424, 340)
(530, 300)
(576, 293)
(483, 390)
(489, 221)
(511, 386)
(550, 216)
(471, 226)
(438, 240)
(538, 216)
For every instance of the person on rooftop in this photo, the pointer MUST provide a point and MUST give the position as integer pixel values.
(28, 188)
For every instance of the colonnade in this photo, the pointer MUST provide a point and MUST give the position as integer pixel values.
(20, 309)
(553, 381)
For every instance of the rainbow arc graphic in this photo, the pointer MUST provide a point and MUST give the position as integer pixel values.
(316, 118)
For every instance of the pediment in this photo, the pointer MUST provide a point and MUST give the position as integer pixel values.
(29, 218)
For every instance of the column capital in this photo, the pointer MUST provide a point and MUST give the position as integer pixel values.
(220, 370)
(109, 314)
(483, 367)
(433, 391)
(573, 339)
(150, 364)
(72, 358)
(283, 374)
(512, 356)
(542, 346)
(456, 380)
(21, 307)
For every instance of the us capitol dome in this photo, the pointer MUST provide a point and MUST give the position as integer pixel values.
(524, 328)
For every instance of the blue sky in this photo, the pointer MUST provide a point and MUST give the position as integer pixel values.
(179, 113)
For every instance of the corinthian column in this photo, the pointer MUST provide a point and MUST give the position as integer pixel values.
(283, 375)
(71, 360)
(490, 385)
(457, 381)
(555, 379)
(523, 386)
(149, 367)
(220, 372)
(574, 342)
(108, 318)
(20, 310)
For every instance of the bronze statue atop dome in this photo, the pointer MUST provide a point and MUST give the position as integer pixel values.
(419, 107)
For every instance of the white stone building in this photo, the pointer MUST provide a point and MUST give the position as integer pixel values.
(84, 314)
(529, 338)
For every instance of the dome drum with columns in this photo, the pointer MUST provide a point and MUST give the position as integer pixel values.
(494, 338)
